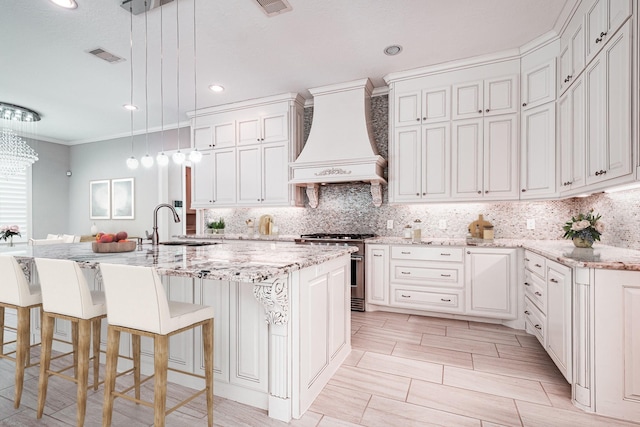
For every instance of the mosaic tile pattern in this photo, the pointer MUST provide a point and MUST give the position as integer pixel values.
(347, 208)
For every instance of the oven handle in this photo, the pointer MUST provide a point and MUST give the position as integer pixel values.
(357, 257)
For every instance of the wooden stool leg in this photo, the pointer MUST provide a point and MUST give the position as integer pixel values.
(160, 365)
(207, 340)
(135, 342)
(45, 359)
(22, 350)
(95, 325)
(74, 343)
(113, 346)
(1, 330)
(82, 376)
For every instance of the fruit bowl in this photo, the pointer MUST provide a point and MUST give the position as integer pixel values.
(122, 246)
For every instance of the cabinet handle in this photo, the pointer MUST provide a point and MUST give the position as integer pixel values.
(538, 327)
(405, 253)
(445, 299)
(527, 259)
(598, 40)
(527, 312)
(377, 255)
(527, 284)
(524, 104)
(408, 273)
(603, 34)
(553, 280)
(487, 110)
(445, 254)
(405, 296)
(445, 275)
(538, 293)
(538, 265)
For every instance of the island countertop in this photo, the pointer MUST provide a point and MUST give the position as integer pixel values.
(238, 261)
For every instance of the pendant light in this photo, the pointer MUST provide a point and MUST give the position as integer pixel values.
(162, 158)
(195, 156)
(132, 162)
(147, 160)
(178, 157)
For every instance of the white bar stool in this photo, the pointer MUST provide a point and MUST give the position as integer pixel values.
(17, 294)
(66, 295)
(137, 304)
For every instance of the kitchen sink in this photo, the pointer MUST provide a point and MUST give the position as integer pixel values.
(188, 243)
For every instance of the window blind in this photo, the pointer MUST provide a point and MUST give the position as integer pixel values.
(13, 204)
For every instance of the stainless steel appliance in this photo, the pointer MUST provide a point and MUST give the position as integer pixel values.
(357, 259)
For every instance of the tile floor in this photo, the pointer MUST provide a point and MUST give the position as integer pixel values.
(403, 371)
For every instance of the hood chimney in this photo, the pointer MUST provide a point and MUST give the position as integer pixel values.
(340, 147)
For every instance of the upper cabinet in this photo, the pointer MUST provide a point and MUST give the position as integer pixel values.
(485, 97)
(572, 53)
(247, 148)
(538, 85)
(602, 18)
(422, 106)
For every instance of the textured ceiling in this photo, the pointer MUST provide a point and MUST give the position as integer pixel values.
(45, 67)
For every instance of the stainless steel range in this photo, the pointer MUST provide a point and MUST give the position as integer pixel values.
(357, 259)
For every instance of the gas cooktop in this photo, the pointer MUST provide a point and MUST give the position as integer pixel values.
(337, 236)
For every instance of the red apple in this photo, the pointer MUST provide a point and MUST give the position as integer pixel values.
(121, 235)
(98, 236)
(106, 238)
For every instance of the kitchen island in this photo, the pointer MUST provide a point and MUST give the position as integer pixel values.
(282, 323)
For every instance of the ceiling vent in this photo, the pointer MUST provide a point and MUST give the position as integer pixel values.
(274, 7)
(106, 56)
(138, 6)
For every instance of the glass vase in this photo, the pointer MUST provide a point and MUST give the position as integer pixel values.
(10, 240)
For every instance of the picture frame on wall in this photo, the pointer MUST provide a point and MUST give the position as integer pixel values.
(122, 199)
(99, 199)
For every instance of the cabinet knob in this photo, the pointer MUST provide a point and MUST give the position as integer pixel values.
(424, 194)
(527, 284)
(258, 199)
(417, 194)
(538, 265)
(479, 192)
(261, 139)
(524, 104)
(486, 111)
(258, 139)
(417, 119)
(486, 191)
(527, 312)
(468, 252)
(524, 190)
(480, 111)
(527, 259)
(538, 327)
(553, 280)
(538, 293)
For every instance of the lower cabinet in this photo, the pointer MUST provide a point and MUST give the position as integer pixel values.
(559, 325)
(377, 274)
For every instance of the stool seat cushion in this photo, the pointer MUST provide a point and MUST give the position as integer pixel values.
(15, 288)
(182, 314)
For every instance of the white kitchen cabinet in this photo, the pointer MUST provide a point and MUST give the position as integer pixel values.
(262, 174)
(263, 129)
(538, 152)
(616, 305)
(423, 106)
(491, 284)
(422, 163)
(608, 110)
(558, 311)
(216, 135)
(572, 52)
(538, 85)
(571, 123)
(485, 158)
(377, 274)
(482, 98)
(213, 179)
(602, 19)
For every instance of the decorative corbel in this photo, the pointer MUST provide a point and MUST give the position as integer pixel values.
(376, 193)
(312, 195)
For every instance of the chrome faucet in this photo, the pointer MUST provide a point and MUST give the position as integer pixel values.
(154, 236)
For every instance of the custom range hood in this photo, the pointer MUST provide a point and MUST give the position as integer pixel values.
(340, 147)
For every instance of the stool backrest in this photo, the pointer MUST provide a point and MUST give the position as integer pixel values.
(135, 297)
(14, 288)
(64, 287)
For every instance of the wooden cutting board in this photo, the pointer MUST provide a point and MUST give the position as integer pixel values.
(481, 223)
(264, 225)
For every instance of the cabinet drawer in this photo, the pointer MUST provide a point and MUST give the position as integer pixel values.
(420, 273)
(535, 263)
(535, 321)
(442, 253)
(536, 289)
(432, 300)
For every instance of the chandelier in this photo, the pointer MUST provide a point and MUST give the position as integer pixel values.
(15, 154)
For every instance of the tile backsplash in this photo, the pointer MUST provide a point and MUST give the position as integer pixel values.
(347, 208)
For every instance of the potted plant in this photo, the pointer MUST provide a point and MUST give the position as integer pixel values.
(584, 229)
(216, 227)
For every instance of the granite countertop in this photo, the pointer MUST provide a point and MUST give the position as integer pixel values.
(563, 251)
(238, 236)
(238, 261)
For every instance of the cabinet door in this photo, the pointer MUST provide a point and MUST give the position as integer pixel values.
(538, 174)
(407, 108)
(407, 164)
(275, 176)
(214, 293)
(539, 85)
(501, 95)
(571, 119)
(501, 157)
(436, 158)
(572, 52)
(467, 155)
(491, 282)
(596, 27)
(436, 105)
(202, 178)
(467, 100)
(249, 175)
(224, 176)
(249, 131)
(224, 134)
(377, 274)
(275, 128)
(202, 137)
(559, 326)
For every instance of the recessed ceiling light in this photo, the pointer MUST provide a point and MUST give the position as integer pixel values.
(67, 4)
(130, 107)
(393, 50)
(216, 88)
